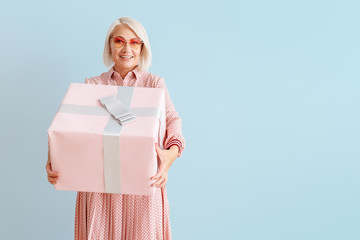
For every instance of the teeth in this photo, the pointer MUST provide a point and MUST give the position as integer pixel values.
(126, 56)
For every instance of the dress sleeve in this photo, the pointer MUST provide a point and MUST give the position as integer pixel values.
(173, 134)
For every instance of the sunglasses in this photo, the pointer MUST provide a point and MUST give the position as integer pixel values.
(120, 42)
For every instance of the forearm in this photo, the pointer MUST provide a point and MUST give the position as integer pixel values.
(173, 123)
(173, 150)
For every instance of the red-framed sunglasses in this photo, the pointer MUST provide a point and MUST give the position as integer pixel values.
(120, 42)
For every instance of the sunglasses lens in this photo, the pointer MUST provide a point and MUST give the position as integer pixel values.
(135, 43)
(120, 42)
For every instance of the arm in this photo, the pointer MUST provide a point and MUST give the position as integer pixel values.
(174, 142)
(173, 136)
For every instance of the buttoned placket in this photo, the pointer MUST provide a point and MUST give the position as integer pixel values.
(129, 78)
(119, 80)
(127, 81)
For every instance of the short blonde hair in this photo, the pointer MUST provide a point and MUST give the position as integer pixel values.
(145, 55)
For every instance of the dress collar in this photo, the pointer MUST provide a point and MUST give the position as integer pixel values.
(136, 73)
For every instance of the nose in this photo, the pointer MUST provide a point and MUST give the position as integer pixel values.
(126, 46)
(125, 49)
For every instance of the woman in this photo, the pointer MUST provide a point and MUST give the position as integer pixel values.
(122, 216)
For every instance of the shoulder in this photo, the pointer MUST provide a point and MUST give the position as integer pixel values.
(96, 79)
(153, 80)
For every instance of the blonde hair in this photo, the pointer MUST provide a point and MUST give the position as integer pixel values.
(145, 55)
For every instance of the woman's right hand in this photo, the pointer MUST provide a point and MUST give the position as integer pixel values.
(52, 176)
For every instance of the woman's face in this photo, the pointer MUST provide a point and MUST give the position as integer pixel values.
(125, 58)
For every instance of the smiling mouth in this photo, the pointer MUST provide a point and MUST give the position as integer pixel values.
(127, 57)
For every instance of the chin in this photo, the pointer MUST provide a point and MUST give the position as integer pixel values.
(125, 65)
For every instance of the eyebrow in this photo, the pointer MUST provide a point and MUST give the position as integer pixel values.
(124, 38)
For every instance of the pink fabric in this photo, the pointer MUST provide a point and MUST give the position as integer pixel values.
(121, 216)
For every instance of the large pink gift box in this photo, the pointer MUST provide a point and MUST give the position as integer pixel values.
(95, 152)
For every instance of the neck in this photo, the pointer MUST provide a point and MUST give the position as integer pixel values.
(123, 71)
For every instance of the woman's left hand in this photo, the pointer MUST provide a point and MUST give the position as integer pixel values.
(167, 157)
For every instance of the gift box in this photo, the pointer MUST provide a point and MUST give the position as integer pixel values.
(102, 138)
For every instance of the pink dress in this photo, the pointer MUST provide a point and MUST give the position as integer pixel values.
(121, 216)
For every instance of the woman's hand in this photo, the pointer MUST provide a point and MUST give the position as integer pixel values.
(52, 176)
(167, 157)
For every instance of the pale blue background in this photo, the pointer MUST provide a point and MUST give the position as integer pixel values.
(269, 96)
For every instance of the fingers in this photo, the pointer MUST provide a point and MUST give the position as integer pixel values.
(157, 146)
(48, 166)
(156, 176)
(52, 180)
(159, 173)
(51, 175)
(157, 149)
(161, 177)
(161, 170)
(50, 172)
(161, 181)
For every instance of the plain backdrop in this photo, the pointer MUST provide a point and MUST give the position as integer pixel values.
(269, 96)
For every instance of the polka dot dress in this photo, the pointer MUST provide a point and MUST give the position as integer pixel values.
(106, 216)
